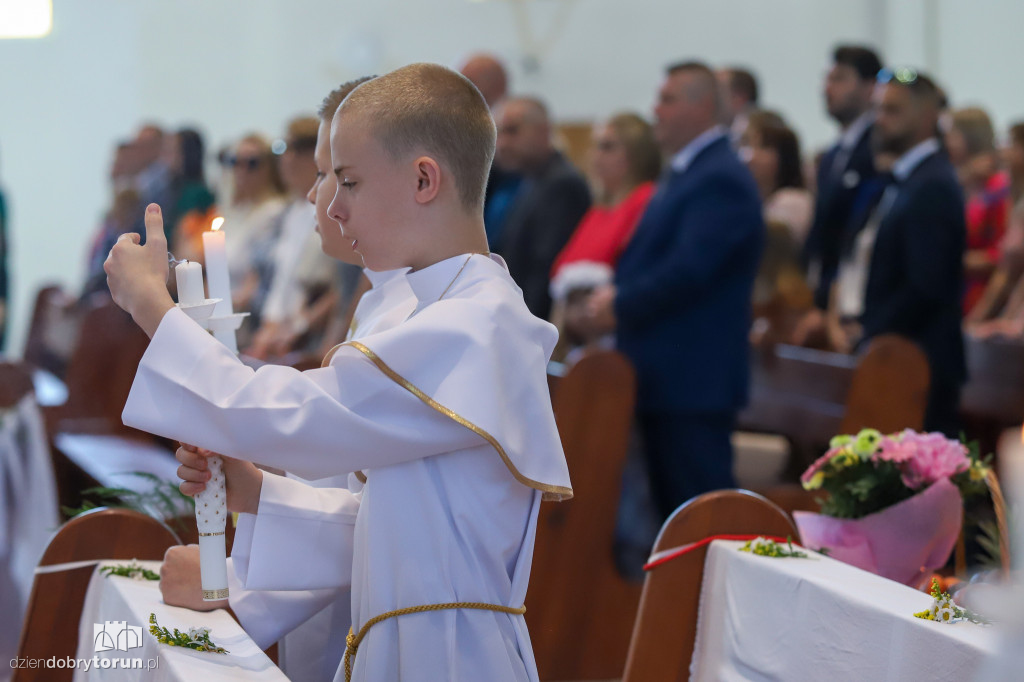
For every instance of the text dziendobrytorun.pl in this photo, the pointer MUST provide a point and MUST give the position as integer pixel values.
(85, 664)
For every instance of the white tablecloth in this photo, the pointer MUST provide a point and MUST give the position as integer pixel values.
(28, 515)
(127, 601)
(820, 619)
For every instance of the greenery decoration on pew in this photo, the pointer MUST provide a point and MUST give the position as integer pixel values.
(765, 547)
(132, 570)
(944, 609)
(197, 639)
(868, 472)
(165, 502)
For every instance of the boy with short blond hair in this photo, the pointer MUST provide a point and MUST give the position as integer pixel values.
(446, 416)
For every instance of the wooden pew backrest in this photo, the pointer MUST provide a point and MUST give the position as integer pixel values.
(666, 624)
(579, 608)
(55, 604)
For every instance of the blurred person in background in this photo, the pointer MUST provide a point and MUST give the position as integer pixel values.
(184, 156)
(740, 95)
(299, 275)
(624, 163)
(251, 220)
(848, 90)
(971, 145)
(548, 205)
(771, 151)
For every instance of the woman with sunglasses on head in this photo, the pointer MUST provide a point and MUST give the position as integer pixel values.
(624, 163)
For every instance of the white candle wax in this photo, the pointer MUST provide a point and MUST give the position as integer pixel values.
(190, 283)
(215, 251)
(211, 519)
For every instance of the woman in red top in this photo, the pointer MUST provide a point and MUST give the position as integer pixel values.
(624, 162)
(972, 149)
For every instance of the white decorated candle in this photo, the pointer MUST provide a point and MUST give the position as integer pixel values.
(190, 283)
(215, 252)
(211, 519)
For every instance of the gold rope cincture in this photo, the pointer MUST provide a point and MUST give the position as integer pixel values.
(353, 640)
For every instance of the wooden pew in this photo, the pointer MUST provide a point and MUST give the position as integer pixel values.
(666, 624)
(579, 608)
(55, 605)
(992, 400)
(889, 387)
(799, 393)
(808, 396)
(994, 393)
(15, 382)
(811, 395)
(100, 372)
(53, 329)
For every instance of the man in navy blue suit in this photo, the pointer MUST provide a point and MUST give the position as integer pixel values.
(904, 272)
(681, 303)
(844, 173)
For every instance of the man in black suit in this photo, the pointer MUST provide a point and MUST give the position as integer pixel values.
(904, 271)
(842, 173)
(551, 199)
(681, 304)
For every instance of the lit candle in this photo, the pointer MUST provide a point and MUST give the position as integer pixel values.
(211, 504)
(215, 251)
(190, 283)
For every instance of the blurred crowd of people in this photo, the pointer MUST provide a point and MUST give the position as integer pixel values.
(679, 238)
(297, 297)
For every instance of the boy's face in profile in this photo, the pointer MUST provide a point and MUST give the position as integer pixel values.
(332, 242)
(375, 195)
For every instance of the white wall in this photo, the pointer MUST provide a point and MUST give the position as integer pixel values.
(234, 65)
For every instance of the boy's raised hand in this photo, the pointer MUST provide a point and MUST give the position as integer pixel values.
(137, 275)
(242, 479)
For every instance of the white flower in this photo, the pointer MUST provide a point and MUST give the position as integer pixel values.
(933, 609)
(945, 615)
(758, 543)
(197, 634)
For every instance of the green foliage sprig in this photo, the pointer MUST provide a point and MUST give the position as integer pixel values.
(132, 570)
(164, 501)
(197, 639)
(766, 547)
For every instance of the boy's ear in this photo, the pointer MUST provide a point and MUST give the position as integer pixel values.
(428, 179)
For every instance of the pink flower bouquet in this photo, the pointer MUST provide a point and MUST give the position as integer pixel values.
(895, 503)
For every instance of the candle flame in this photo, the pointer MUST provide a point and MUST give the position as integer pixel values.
(217, 222)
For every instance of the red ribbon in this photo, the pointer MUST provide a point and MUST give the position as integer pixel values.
(686, 549)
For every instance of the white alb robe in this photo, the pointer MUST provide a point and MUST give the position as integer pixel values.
(310, 625)
(448, 417)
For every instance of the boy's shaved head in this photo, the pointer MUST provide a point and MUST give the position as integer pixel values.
(337, 96)
(430, 109)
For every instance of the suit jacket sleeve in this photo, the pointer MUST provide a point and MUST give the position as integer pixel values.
(931, 241)
(718, 223)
